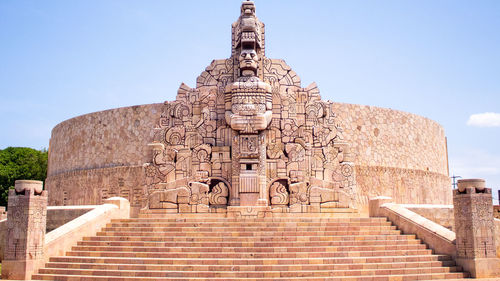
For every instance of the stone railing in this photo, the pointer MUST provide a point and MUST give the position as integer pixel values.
(61, 239)
(27, 247)
(437, 237)
(443, 215)
(60, 215)
(440, 214)
(473, 245)
(56, 217)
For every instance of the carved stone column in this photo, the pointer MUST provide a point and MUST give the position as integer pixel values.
(26, 223)
(474, 228)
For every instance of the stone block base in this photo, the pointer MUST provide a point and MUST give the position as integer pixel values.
(18, 270)
(248, 199)
(249, 211)
(480, 268)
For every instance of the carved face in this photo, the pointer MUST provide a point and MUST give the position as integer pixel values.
(248, 8)
(248, 60)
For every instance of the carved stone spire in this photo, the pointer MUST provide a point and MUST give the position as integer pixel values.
(248, 30)
(248, 99)
(248, 35)
(249, 135)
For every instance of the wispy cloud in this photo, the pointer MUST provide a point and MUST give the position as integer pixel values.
(487, 119)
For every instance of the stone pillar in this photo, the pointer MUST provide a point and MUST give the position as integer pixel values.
(474, 228)
(262, 171)
(26, 223)
(376, 203)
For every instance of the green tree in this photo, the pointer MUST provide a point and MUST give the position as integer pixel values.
(20, 163)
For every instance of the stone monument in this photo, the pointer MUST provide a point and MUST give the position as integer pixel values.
(26, 221)
(249, 135)
(474, 228)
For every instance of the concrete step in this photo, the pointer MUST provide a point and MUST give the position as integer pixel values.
(244, 229)
(245, 220)
(409, 277)
(250, 244)
(249, 254)
(263, 238)
(276, 249)
(249, 224)
(111, 232)
(273, 267)
(215, 248)
(255, 261)
(248, 274)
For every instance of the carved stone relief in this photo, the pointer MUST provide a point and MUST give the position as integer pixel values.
(248, 134)
(25, 231)
(473, 211)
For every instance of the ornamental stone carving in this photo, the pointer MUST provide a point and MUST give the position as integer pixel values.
(25, 233)
(475, 229)
(249, 135)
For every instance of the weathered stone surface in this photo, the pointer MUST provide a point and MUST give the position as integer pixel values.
(279, 142)
(475, 229)
(203, 135)
(440, 239)
(26, 186)
(26, 222)
(60, 215)
(110, 138)
(93, 186)
(440, 214)
(250, 246)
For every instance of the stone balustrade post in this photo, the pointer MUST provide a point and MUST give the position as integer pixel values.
(26, 223)
(474, 228)
(376, 203)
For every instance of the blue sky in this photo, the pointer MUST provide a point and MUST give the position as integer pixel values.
(438, 59)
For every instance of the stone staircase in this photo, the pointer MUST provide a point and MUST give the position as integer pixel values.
(214, 248)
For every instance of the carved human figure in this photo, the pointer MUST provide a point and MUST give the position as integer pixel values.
(250, 124)
(248, 99)
(164, 160)
(249, 102)
(248, 62)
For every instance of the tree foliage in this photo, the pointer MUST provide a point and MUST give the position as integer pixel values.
(20, 163)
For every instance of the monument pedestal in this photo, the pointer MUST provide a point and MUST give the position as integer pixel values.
(475, 230)
(26, 223)
(249, 212)
(481, 268)
(249, 199)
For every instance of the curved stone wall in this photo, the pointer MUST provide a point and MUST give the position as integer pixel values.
(98, 155)
(397, 154)
(392, 138)
(110, 138)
